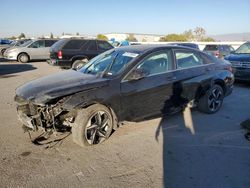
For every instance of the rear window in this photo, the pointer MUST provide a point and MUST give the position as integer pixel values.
(102, 45)
(211, 47)
(74, 44)
(186, 59)
(58, 45)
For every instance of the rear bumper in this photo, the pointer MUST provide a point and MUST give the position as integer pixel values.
(60, 63)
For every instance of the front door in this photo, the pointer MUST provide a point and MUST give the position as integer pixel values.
(148, 96)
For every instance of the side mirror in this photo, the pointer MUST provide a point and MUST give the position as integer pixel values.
(137, 74)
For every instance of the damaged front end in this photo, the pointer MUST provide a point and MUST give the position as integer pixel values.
(50, 117)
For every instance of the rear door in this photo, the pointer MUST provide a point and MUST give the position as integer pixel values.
(148, 96)
(36, 50)
(91, 49)
(190, 64)
(73, 48)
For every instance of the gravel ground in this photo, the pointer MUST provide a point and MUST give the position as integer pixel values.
(217, 155)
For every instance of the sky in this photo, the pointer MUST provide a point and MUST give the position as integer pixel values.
(91, 17)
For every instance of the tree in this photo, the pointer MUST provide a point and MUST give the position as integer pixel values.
(102, 37)
(13, 38)
(51, 35)
(173, 38)
(199, 33)
(189, 35)
(144, 40)
(208, 39)
(131, 38)
(21, 36)
(77, 34)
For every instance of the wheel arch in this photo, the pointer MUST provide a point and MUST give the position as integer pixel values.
(22, 53)
(78, 57)
(221, 83)
(114, 116)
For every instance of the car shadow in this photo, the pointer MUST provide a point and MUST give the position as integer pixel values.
(2, 60)
(6, 70)
(197, 151)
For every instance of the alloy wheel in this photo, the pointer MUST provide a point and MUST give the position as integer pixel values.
(215, 99)
(97, 128)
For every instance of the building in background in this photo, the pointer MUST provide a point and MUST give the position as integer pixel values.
(139, 37)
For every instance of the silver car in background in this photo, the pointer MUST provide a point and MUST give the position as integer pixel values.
(31, 50)
(14, 43)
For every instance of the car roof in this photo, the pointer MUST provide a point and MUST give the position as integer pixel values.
(148, 47)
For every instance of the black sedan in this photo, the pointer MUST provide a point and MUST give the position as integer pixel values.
(128, 83)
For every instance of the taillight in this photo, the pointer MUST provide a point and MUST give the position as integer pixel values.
(59, 54)
(217, 54)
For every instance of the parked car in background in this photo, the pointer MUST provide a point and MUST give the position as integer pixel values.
(74, 53)
(124, 84)
(13, 44)
(5, 41)
(190, 45)
(240, 60)
(31, 50)
(219, 51)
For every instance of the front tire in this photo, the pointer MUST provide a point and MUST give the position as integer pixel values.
(212, 101)
(2, 51)
(93, 125)
(23, 58)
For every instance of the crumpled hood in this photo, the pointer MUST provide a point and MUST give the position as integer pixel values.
(238, 57)
(44, 89)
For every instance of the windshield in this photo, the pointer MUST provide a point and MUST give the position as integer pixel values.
(109, 63)
(26, 43)
(243, 49)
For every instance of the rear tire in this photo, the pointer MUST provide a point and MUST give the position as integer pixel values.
(212, 101)
(92, 126)
(78, 64)
(23, 58)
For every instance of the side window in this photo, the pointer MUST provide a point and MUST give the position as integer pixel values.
(103, 45)
(156, 63)
(186, 59)
(74, 44)
(37, 44)
(92, 46)
(49, 43)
